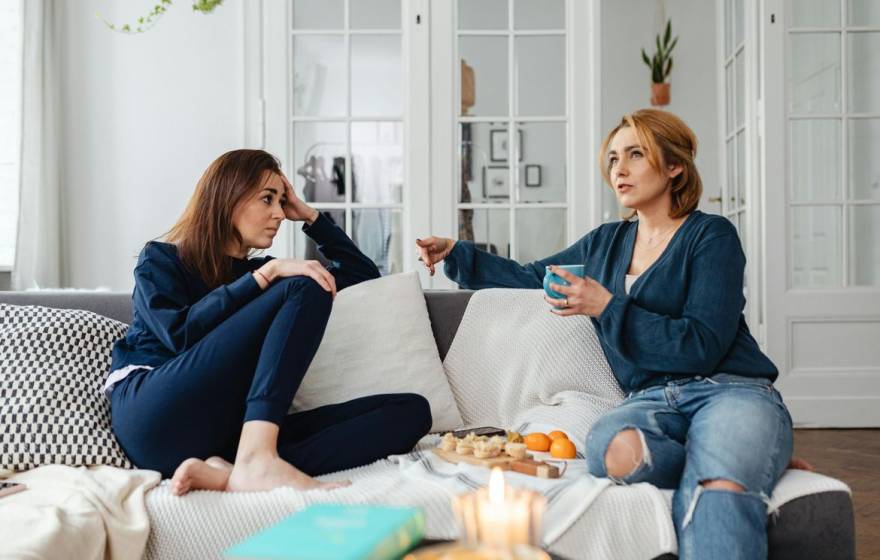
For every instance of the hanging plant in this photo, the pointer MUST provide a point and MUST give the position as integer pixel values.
(147, 21)
(661, 65)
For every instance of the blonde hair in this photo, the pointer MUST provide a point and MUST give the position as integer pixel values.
(667, 140)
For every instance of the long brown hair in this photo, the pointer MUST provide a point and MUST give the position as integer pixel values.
(204, 231)
(667, 141)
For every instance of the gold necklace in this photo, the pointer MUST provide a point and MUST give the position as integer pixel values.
(651, 244)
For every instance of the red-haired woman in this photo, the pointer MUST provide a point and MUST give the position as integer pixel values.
(665, 294)
(201, 384)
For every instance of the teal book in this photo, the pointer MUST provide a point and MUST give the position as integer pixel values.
(336, 532)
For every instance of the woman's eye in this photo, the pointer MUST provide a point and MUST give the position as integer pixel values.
(636, 153)
(283, 203)
(612, 161)
(267, 199)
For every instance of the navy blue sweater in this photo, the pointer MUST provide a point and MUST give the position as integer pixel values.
(174, 309)
(683, 316)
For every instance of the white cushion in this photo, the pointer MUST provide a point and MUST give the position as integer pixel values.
(52, 365)
(379, 340)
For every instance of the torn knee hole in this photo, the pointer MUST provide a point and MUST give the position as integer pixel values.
(722, 484)
(626, 452)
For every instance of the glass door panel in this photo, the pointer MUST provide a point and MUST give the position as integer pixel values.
(542, 162)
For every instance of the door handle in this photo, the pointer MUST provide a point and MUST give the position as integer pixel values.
(714, 199)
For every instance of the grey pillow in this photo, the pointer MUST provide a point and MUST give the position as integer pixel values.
(52, 365)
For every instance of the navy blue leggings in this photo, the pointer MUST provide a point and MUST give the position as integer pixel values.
(249, 368)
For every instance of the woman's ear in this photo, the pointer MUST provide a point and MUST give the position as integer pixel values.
(673, 171)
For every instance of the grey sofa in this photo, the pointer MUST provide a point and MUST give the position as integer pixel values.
(817, 526)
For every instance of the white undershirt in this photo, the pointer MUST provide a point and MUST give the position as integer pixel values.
(629, 281)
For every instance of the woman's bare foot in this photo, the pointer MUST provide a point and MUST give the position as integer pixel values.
(195, 474)
(266, 472)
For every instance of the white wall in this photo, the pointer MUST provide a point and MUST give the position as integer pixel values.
(142, 117)
(629, 25)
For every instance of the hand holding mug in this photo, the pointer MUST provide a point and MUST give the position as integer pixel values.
(582, 296)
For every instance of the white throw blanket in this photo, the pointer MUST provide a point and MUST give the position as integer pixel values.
(512, 362)
(77, 512)
(567, 497)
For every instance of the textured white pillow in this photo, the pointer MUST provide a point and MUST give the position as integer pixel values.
(379, 340)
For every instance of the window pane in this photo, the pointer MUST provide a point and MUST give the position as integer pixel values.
(740, 89)
(305, 248)
(487, 56)
(319, 160)
(484, 14)
(815, 13)
(864, 257)
(318, 14)
(814, 73)
(739, 16)
(377, 233)
(377, 162)
(728, 28)
(376, 79)
(319, 84)
(730, 100)
(538, 14)
(864, 165)
(540, 232)
(483, 158)
(864, 69)
(815, 244)
(815, 160)
(374, 14)
(542, 162)
(740, 170)
(730, 185)
(863, 12)
(540, 72)
(489, 229)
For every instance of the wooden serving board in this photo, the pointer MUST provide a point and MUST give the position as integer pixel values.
(502, 461)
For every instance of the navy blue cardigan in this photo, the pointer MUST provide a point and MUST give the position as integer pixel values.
(174, 309)
(683, 316)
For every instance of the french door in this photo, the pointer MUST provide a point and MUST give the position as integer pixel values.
(822, 200)
(399, 119)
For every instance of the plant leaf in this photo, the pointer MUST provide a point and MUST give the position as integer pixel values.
(668, 69)
(645, 58)
(668, 34)
(672, 46)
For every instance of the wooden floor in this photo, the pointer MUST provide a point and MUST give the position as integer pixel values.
(852, 456)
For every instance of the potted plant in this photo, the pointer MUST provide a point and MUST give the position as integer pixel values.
(661, 65)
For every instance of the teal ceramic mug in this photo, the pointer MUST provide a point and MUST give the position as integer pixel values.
(552, 278)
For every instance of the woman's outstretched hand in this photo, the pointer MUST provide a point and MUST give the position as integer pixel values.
(295, 209)
(433, 250)
(584, 296)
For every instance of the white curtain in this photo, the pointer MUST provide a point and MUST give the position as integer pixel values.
(38, 247)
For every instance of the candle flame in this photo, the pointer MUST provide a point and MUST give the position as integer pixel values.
(496, 486)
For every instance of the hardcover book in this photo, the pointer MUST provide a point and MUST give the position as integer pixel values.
(336, 532)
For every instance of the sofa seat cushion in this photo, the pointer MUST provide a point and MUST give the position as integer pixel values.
(52, 365)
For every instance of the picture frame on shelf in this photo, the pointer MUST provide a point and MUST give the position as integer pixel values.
(499, 147)
(533, 175)
(496, 180)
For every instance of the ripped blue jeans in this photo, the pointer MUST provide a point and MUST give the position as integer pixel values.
(699, 429)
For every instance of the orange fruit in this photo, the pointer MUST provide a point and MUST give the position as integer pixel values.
(537, 441)
(562, 448)
(555, 434)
